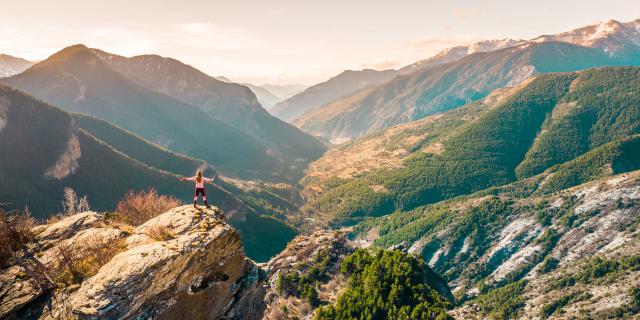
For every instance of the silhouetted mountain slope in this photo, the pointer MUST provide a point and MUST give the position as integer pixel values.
(43, 150)
(138, 148)
(341, 85)
(230, 102)
(265, 97)
(78, 81)
(284, 91)
(511, 135)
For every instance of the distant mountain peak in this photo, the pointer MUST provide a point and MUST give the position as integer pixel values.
(610, 36)
(10, 65)
(455, 53)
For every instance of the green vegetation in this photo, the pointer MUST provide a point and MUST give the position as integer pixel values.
(504, 302)
(303, 283)
(386, 285)
(634, 296)
(263, 236)
(612, 158)
(554, 306)
(597, 269)
(578, 126)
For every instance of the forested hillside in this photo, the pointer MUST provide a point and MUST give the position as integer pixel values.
(511, 135)
(510, 252)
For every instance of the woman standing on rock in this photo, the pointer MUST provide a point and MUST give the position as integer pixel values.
(200, 180)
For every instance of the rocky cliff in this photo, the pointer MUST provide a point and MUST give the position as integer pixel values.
(513, 253)
(186, 263)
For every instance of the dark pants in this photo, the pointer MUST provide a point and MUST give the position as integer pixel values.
(204, 196)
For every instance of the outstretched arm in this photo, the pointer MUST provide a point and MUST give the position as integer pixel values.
(187, 179)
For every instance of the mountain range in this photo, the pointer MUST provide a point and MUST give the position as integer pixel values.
(315, 96)
(588, 117)
(265, 97)
(43, 150)
(10, 65)
(222, 123)
(436, 87)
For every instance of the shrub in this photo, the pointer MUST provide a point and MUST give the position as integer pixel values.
(77, 262)
(137, 208)
(504, 302)
(634, 294)
(549, 264)
(73, 204)
(15, 234)
(160, 233)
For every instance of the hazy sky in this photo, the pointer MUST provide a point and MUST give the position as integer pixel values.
(287, 41)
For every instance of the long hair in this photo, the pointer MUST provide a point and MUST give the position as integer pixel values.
(198, 176)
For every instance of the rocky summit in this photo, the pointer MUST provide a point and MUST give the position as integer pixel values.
(186, 263)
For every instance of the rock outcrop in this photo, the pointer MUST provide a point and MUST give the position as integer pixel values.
(184, 264)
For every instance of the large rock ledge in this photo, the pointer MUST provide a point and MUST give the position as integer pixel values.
(196, 270)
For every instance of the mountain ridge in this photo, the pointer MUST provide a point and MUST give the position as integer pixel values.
(441, 87)
(79, 81)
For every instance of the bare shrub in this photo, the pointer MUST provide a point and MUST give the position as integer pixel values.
(137, 208)
(73, 204)
(160, 233)
(15, 234)
(79, 261)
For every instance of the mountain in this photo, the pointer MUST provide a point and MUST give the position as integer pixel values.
(617, 39)
(44, 149)
(341, 85)
(587, 117)
(233, 103)
(140, 149)
(77, 80)
(264, 96)
(10, 65)
(458, 52)
(284, 91)
(189, 263)
(442, 87)
(196, 269)
(509, 253)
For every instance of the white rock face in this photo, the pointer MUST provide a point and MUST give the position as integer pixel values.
(67, 163)
(4, 108)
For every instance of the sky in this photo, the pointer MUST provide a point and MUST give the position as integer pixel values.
(288, 41)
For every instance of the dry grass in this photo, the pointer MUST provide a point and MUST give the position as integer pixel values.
(137, 208)
(160, 233)
(79, 261)
(15, 234)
